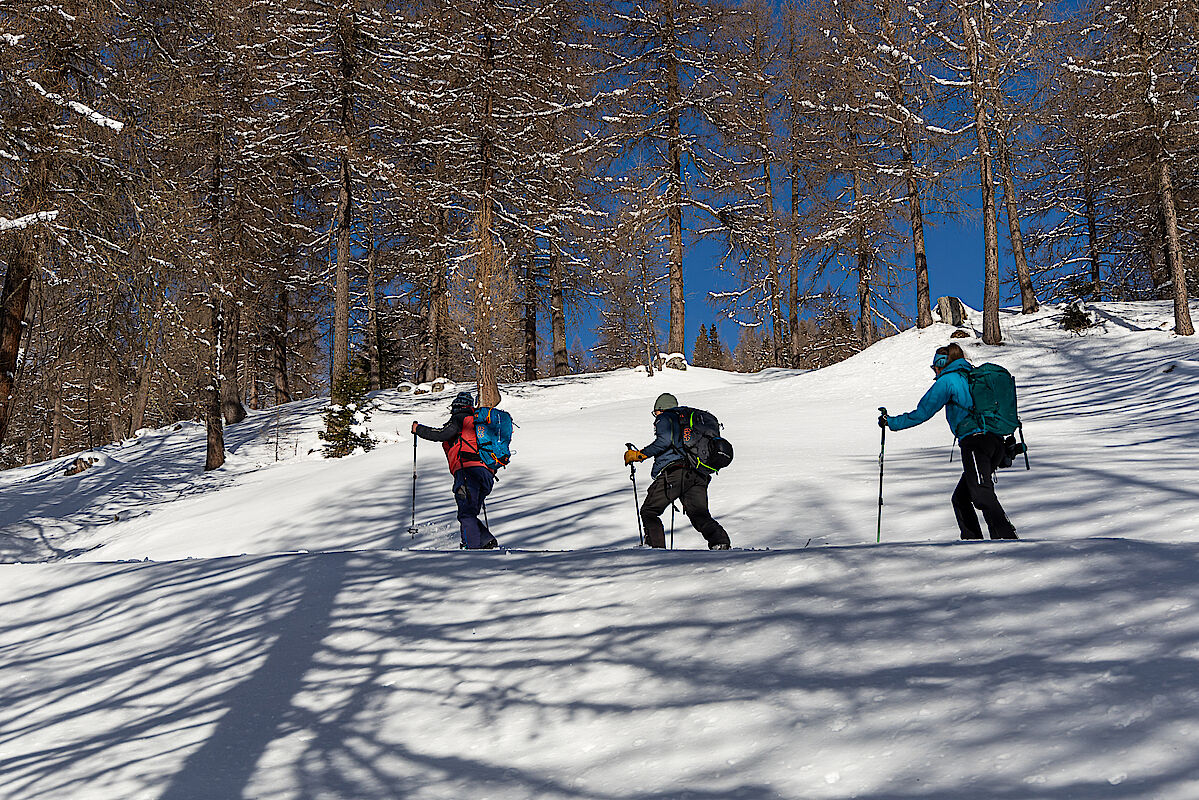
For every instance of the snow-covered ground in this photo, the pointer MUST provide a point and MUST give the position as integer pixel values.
(272, 630)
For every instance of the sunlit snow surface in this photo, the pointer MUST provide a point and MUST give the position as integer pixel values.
(272, 630)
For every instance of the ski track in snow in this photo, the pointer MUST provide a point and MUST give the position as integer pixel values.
(271, 629)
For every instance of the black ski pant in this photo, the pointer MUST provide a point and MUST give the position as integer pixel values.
(680, 482)
(980, 455)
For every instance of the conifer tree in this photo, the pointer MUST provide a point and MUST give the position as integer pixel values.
(701, 352)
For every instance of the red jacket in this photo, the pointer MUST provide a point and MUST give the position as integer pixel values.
(457, 438)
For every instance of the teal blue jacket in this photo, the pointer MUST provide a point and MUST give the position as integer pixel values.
(950, 391)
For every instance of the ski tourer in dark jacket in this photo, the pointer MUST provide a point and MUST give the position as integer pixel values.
(981, 452)
(473, 481)
(674, 479)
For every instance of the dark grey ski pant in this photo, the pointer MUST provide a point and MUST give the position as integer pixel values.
(980, 453)
(679, 482)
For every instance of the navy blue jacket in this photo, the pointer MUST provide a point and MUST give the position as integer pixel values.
(667, 447)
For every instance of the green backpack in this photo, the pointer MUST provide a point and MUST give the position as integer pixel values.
(993, 390)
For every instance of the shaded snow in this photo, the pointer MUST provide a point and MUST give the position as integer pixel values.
(377, 665)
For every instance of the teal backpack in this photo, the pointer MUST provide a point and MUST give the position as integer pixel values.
(493, 431)
(993, 390)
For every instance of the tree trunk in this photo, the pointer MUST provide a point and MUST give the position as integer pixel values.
(14, 302)
(676, 340)
(530, 321)
(346, 68)
(1088, 195)
(558, 318)
(210, 391)
(436, 314)
(341, 292)
(649, 331)
(1182, 312)
(1165, 189)
(794, 268)
(145, 382)
(489, 390)
(232, 408)
(485, 259)
(865, 316)
(1028, 297)
(56, 423)
(1158, 273)
(253, 397)
(774, 289)
(23, 265)
(279, 376)
(210, 394)
(115, 423)
(373, 334)
(89, 382)
(924, 309)
(991, 331)
(793, 317)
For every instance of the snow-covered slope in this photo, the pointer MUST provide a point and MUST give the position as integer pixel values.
(312, 648)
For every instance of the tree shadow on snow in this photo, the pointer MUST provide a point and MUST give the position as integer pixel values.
(382, 675)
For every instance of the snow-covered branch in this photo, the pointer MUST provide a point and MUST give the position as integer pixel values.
(29, 220)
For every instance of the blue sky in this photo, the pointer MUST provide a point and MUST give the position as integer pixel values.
(955, 267)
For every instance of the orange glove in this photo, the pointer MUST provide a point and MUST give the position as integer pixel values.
(632, 455)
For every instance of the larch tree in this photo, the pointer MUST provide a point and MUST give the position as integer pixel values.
(663, 57)
(1145, 62)
(52, 133)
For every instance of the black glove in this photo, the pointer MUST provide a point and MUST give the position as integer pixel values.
(882, 420)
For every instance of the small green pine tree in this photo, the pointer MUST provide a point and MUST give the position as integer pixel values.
(720, 354)
(701, 354)
(345, 425)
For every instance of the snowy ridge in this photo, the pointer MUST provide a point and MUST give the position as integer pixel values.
(342, 658)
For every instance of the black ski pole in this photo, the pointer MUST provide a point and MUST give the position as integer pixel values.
(636, 501)
(672, 510)
(881, 450)
(412, 527)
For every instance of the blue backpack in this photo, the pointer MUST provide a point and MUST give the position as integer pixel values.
(493, 431)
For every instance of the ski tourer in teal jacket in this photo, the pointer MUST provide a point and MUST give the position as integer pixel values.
(950, 391)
